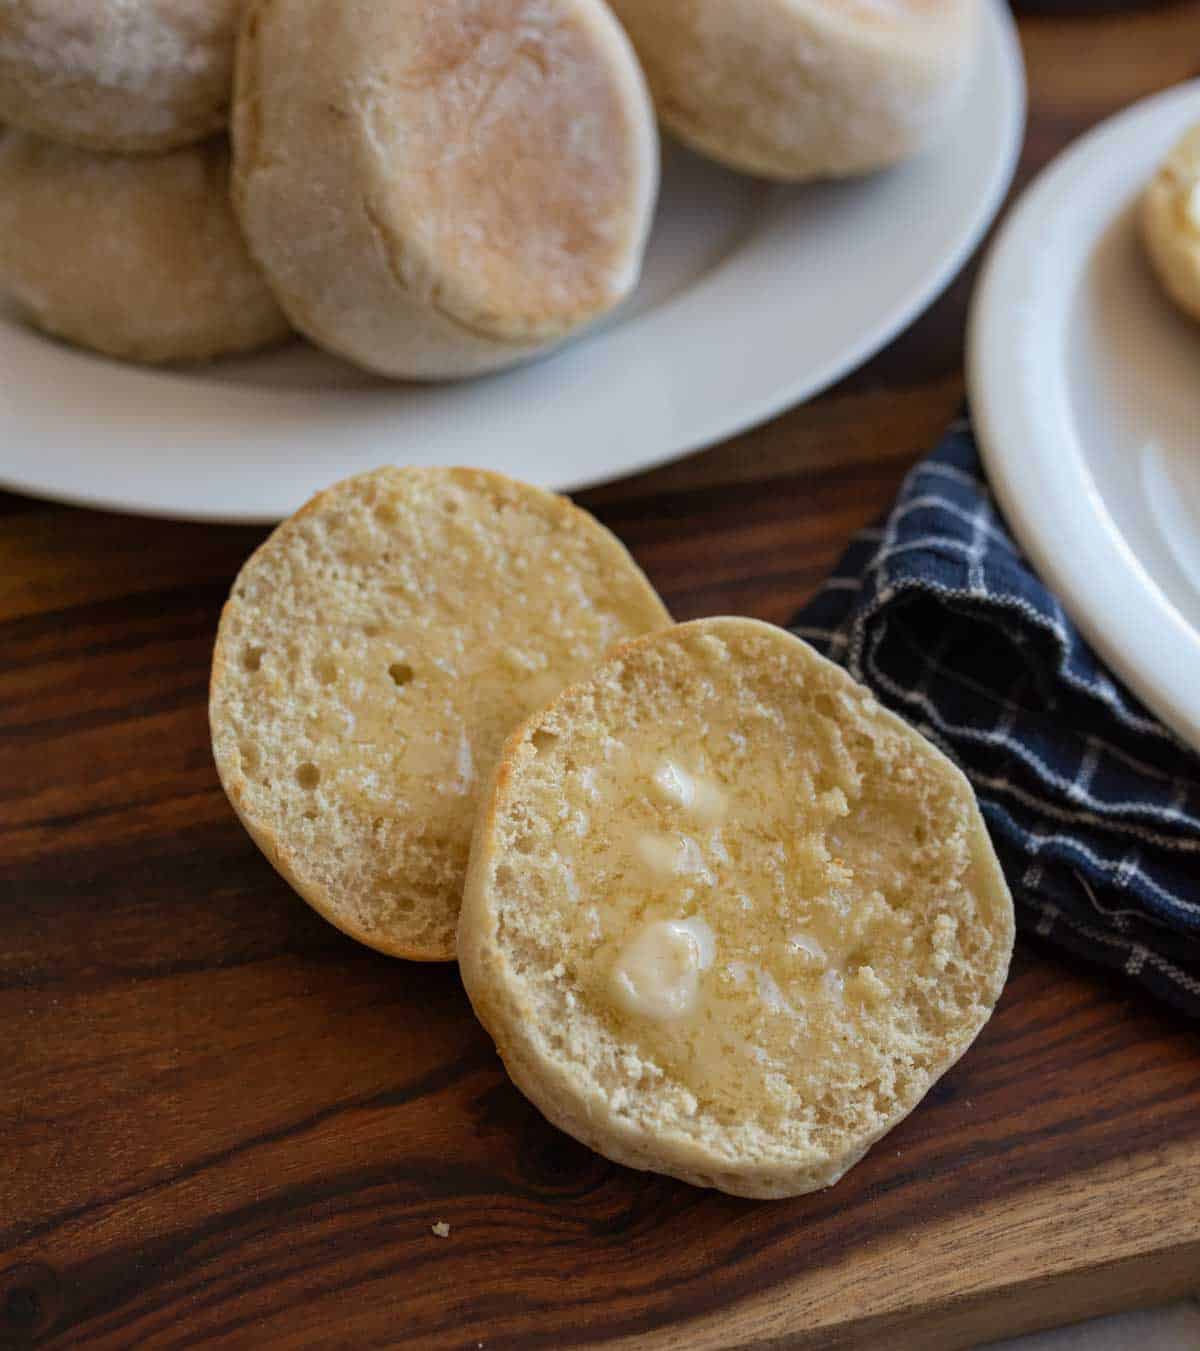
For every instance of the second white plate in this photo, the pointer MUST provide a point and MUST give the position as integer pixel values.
(753, 298)
(1085, 389)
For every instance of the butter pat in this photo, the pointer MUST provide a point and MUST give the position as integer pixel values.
(701, 797)
(657, 975)
(673, 856)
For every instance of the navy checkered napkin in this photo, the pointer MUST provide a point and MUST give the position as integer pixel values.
(1094, 807)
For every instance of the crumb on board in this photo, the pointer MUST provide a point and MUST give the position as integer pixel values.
(441, 1229)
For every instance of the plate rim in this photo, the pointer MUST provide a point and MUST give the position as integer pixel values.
(1083, 556)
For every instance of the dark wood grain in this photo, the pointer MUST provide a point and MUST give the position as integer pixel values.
(223, 1123)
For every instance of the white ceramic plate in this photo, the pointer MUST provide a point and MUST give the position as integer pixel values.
(1085, 388)
(754, 297)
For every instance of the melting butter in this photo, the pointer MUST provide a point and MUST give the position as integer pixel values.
(768, 975)
(657, 974)
(464, 766)
(673, 856)
(771, 996)
(700, 796)
(808, 949)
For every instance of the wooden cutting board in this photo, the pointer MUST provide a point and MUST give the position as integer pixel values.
(223, 1123)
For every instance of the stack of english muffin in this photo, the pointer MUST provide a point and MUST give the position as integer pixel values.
(430, 188)
(724, 916)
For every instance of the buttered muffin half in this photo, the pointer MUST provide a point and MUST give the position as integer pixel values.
(436, 190)
(726, 917)
(371, 659)
(803, 89)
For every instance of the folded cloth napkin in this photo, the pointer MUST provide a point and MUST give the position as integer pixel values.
(1093, 805)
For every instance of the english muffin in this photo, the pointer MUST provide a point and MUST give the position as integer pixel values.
(440, 190)
(726, 917)
(372, 657)
(1170, 223)
(122, 75)
(803, 89)
(138, 257)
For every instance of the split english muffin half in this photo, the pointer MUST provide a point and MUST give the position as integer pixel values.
(373, 656)
(726, 917)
